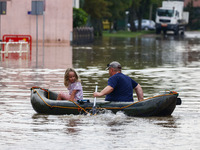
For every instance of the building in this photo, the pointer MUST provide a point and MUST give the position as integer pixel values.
(55, 24)
(76, 3)
(196, 3)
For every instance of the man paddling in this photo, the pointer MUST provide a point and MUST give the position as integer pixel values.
(120, 87)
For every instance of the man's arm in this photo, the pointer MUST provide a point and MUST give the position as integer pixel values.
(107, 90)
(139, 92)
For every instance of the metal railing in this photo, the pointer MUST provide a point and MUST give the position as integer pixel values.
(19, 49)
(83, 35)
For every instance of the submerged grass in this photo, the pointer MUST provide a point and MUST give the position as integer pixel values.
(126, 33)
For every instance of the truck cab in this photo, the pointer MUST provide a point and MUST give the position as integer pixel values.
(170, 17)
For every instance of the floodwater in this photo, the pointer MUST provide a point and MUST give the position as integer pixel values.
(157, 63)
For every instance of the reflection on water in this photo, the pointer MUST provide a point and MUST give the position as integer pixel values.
(137, 53)
(157, 63)
(55, 55)
(167, 122)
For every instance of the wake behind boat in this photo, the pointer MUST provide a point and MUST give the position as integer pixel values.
(44, 102)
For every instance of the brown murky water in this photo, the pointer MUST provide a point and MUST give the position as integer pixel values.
(157, 63)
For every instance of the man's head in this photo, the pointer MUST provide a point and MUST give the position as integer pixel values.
(114, 67)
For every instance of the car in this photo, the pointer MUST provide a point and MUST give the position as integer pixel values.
(145, 24)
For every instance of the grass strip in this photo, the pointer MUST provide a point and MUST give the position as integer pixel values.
(126, 33)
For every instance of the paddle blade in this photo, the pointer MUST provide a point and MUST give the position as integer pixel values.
(93, 110)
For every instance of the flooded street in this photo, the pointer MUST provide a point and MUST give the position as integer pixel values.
(157, 63)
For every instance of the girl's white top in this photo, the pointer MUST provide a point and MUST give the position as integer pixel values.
(76, 86)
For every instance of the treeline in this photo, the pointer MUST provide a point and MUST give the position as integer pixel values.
(95, 11)
(115, 10)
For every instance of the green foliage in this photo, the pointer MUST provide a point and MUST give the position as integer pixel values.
(114, 11)
(79, 17)
(125, 34)
(118, 8)
(142, 9)
(97, 8)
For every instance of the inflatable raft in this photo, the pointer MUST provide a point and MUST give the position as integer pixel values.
(44, 102)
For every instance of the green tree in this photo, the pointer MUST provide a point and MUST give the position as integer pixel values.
(79, 17)
(133, 13)
(97, 10)
(117, 8)
(142, 9)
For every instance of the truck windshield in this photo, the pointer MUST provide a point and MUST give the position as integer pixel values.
(165, 12)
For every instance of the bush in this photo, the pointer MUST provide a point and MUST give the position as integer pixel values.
(79, 17)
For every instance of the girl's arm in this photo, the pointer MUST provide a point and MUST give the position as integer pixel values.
(72, 96)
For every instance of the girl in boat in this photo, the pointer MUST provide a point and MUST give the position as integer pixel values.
(73, 84)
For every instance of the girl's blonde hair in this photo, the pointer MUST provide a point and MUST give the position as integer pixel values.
(66, 77)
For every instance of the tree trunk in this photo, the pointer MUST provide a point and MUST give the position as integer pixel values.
(98, 27)
(132, 17)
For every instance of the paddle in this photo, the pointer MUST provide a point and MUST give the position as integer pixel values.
(94, 105)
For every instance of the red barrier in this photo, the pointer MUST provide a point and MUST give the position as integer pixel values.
(18, 38)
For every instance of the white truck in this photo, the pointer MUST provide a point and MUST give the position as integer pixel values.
(171, 17)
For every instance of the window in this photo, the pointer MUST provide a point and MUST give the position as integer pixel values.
(165, 12)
